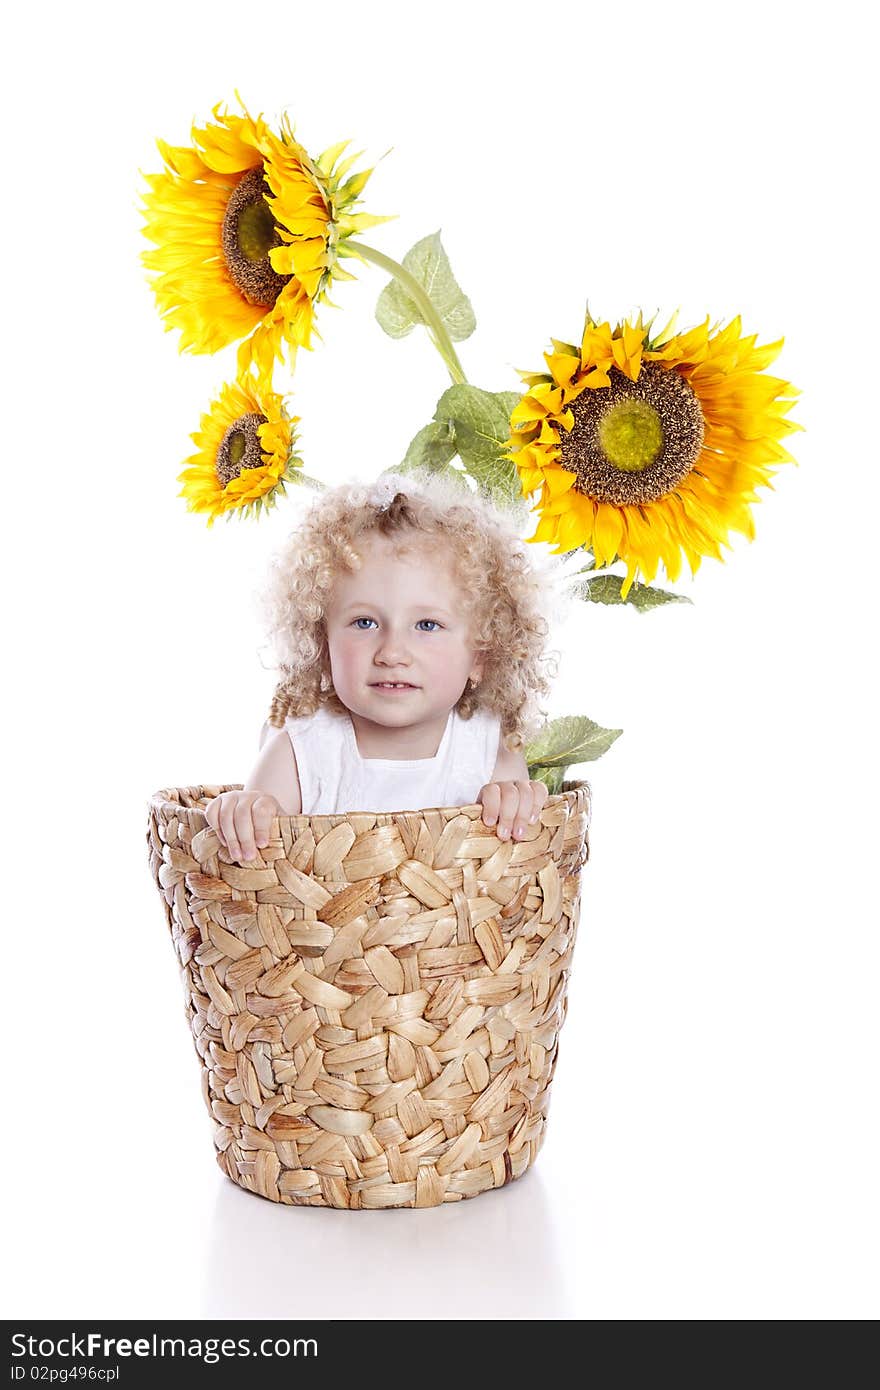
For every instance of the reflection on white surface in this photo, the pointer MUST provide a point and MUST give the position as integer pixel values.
(492, 1256)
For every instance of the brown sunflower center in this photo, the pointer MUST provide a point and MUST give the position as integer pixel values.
(248, 235)
(239, 448)
(634, 441)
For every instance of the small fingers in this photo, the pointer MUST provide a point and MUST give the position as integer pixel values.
(244, 830)
(504, 798)
(490, 796)
(226, 826)
(212, 816)
(520, 807)
(242, 822)
(540, 792)
(509, 809)
(265, 808)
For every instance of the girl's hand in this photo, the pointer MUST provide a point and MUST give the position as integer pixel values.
(512, 806)
(242, 820)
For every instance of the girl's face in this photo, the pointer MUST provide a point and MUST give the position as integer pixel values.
(399, 621)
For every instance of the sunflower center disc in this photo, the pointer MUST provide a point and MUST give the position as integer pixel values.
(247, 236)
(239, 448)
(633, 441)
(630, 435)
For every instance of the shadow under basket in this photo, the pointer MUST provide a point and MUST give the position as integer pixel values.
(376, 999)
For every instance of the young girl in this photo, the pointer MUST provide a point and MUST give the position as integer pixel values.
(407, 616)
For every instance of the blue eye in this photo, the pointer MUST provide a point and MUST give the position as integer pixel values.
(435, 625)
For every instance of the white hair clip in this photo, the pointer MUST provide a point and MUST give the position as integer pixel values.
(383, 492)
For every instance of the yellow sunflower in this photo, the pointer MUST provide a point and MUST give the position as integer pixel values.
(646, 448)
(249, 232)
(245, 452)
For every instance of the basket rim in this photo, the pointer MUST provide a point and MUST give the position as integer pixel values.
(164, 798)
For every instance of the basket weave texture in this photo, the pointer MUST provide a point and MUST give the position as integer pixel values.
(376, 999)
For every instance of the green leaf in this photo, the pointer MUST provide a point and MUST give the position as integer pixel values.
(427, 262)
(552, 777)
(570, 349)
(432, 447)
(481, 421)
(606, 589)
(564, 742)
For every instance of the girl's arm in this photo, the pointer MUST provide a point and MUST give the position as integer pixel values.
(509, 767)
(510, 801)
(242, 819)
(275, 772)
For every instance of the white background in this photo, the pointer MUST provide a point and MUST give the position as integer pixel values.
(711, 1151)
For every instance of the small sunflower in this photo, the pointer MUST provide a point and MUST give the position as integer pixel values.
(249, 232)
(245, 452)
(645, 448)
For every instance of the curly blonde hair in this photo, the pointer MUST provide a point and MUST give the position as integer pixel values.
(504, 593)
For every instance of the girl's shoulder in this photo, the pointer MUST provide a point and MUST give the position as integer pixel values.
(301, 727)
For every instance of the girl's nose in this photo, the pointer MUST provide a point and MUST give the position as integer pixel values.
(392, 648)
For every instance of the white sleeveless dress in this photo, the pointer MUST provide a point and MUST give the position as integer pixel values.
(335, 778)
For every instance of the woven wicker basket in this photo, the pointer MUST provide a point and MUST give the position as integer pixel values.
(376, 1000)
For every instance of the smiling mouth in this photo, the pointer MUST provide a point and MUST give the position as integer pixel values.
(392, 685)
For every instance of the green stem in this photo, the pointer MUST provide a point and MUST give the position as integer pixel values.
(594, 574)
(436, 330)
(305, 481)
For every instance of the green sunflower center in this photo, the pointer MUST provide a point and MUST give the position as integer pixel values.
(237, 446)
(247, 236)
(240, 448)
(633, 442)
(630, 435)
(257, 233)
